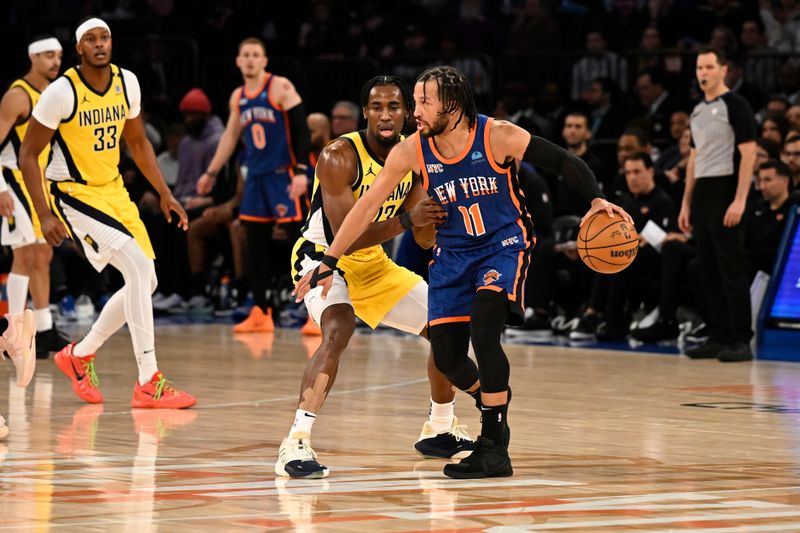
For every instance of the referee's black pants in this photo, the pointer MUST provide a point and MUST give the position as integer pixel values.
(723, 271)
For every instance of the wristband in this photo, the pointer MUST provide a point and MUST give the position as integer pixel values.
(405, 220)
(329, 261)
(301, 169)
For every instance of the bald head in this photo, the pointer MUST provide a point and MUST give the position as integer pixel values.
(320, 127)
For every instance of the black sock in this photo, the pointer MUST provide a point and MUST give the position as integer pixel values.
(3, 325)
(493, 422)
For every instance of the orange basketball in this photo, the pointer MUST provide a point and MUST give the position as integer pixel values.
(607, 245)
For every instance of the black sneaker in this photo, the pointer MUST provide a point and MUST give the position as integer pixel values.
(707, 350)
(536, 325)
(698, 333)
(611, 330)
(735, 353)
(661, 330)
(585, 330)
(488, 460)
(51, 340)
(452, 444)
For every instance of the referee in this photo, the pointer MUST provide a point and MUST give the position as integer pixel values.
(718, 179)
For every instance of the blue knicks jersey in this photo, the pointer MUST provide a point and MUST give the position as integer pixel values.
(484, 203)
(266, 131)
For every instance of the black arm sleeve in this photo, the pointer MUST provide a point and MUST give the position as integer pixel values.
(301, 137)
(544, 154)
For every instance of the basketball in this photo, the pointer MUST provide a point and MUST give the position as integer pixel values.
(607, 245)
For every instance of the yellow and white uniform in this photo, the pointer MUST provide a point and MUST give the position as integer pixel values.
(23, 228)
(86, 187)
(379, 290)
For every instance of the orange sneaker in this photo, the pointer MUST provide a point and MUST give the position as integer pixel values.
(257, 322)
(157, 394)
(80, 370)
(311, 328)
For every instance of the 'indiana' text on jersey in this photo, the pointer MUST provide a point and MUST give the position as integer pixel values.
(266, 131)
(483, 199)
(87, 143)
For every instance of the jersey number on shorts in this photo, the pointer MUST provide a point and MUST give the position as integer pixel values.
(106, 138)
(259, 138)
(473, 220)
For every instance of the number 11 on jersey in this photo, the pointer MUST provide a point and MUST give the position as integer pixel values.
(473, 220)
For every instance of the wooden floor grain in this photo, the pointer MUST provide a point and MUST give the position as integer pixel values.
(601, 441)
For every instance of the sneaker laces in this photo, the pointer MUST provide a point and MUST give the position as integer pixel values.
(88, 367)
(162, 386)
(301, 451)
(459, 431)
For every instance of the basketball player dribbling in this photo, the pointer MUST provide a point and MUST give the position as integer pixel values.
(368, 284)
(468, 165)
(86, 113)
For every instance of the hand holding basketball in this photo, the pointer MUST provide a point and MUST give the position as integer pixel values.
(607, 244)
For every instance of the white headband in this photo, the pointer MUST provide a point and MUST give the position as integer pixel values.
(49, 44)
(90, 24)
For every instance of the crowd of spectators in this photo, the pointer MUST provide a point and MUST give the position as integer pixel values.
(612, 81)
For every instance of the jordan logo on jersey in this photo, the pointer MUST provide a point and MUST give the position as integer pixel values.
(85, 100)
(369, 171)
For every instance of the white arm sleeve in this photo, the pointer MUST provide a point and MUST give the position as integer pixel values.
(56, 104)
(134, 93)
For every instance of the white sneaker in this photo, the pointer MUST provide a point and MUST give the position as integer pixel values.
(296, 459)
(18, 341)
(170, 302)
(3, 428)
(454, 443)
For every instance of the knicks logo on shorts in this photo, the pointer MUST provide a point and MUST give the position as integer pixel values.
(491, 276)
(281, 209)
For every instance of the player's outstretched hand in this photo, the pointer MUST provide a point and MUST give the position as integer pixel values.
(170, 204)
(322, 276)
(428, 212)
(598, 204)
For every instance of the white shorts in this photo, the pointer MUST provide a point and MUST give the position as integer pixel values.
(18, 231)
(410, 314)
(99, 240)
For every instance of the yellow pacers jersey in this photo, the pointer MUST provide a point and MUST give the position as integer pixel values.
(374, 282)
(9, 155)
(89, 139)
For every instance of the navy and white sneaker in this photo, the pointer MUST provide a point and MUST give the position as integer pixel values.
(452, 444)
(296, 459)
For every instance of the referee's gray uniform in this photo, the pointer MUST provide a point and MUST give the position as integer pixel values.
(718, 127)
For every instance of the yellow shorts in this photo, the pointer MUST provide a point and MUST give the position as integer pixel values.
(102, 218)
(23, 228)
(375, 283)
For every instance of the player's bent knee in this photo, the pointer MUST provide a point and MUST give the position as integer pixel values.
(450, 343)
(338, 322)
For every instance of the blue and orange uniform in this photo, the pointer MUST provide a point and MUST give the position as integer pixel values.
(486, 242)
(269, 159)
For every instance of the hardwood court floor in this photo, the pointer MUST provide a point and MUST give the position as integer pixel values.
(601, 441)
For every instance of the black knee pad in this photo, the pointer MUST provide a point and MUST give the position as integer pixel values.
(489, 313)
(450, 343)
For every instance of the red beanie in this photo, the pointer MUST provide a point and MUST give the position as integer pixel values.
(195, 101)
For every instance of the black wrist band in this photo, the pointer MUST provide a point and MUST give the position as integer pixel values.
(405, 220)
(329, 261)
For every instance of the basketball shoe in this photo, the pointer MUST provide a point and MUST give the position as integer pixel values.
(455, 443)
(488, 460)
(80, 370)
(297, 459)
(3, 428)
(157, 394)
(256, 322)
(18, 342)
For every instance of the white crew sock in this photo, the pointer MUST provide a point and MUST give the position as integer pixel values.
(441, 416)
(17, 291)
(303, 421)
(44, 319)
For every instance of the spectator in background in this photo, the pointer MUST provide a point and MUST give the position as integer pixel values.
(723, 38)
(767, 217)
(607, 119)
(168, 159)
(452, 54)
(319, 127)
(793, 116)
(672, 154)
(782, 24)
(576, 135)
(759, 68)
(320, 34)
(515, 106)
(791, 156)
(533, 29)
(598, 63)
(790, 82)
(738, 84)
(775, 126)
(657, 104)
(344, 117)
(676, 171)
